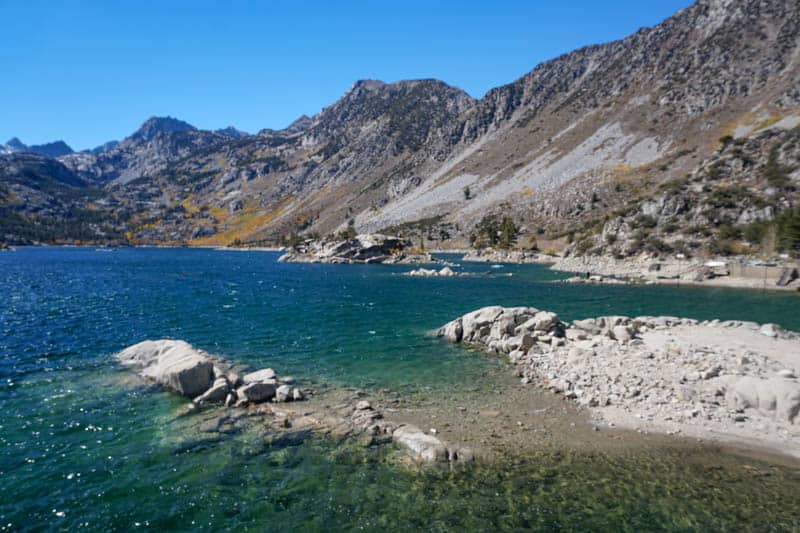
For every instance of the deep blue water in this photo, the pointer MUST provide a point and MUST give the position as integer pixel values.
(81, 445)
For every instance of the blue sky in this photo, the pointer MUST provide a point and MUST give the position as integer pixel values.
(92, 71)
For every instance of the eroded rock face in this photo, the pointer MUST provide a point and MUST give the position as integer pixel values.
(175, 365)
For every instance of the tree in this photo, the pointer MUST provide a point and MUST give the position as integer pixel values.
(777, 175)
(788, 224)
(508, 233)
(467, 193)
(495, 233)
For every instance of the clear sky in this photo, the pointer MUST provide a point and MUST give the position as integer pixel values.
(91, 71)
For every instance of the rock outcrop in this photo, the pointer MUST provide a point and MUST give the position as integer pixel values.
(662, 373)
(444, 272)
(367, 249)
(181, 368)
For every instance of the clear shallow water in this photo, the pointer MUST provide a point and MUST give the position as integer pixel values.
(79, 437)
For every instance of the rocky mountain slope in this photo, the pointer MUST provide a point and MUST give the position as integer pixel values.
(53, 149)
(576, 149)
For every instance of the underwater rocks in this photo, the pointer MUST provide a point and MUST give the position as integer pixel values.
(365, 248)
(181, 368)
(733, 380)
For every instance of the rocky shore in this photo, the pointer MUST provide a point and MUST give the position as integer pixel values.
(211, 381)
(687, 272)
(489, 255)
(365, 248)
(734, 382)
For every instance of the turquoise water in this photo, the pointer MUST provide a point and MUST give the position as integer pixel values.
(81, 444)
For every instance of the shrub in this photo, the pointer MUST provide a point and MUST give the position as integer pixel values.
(646, 221)
(728, 232)
(777, 175)
(584, 246)
(656, 246)
(730, 197)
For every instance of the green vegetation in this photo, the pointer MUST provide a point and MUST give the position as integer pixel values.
(788, 231)
(645, 221)
(776, 174)
(495, 233)
(349, 232)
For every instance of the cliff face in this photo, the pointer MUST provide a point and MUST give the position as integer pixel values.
(561, 149)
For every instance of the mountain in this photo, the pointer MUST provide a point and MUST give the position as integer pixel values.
(105, 147)
(14, 145)
(41, 200)
(53, 149)
(154, 126)
(158, 142)
(230, 131)
(575, 151)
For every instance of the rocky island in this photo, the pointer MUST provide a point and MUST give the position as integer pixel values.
(365, 248)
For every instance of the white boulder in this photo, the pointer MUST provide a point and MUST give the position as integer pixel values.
(175, 365)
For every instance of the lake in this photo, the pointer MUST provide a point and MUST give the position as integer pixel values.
(82, 444)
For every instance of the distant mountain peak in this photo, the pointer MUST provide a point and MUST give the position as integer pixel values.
(300, 124)
(15, 144)
(154, 125)
(231, 131)
(52, 149)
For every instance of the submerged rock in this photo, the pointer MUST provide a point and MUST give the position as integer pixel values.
(421, 446)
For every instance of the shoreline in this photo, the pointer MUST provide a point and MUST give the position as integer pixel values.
(655, 375)
(672, 272)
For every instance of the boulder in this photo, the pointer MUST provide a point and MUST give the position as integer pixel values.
(447, 271)
(259, 375)
(217, 393)
(256, 392)
(779, 396)
(283, 393)
(621, 333)
(452, 331)
(421, 446)
(297, 394)
(478, 323)
(770, 330)
(175, 365)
